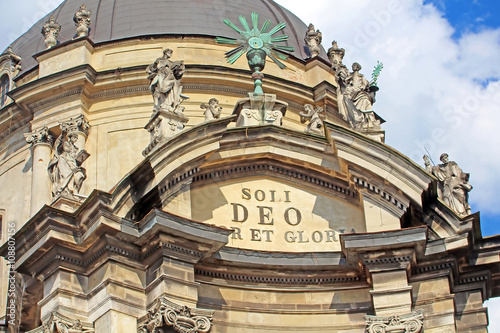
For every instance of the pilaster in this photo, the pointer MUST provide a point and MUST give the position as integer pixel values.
(387, 258)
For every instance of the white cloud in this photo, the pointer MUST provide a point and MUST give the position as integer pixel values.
(17, 19)
(431, 91)
(431, 94)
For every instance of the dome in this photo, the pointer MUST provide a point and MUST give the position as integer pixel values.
(120, 19)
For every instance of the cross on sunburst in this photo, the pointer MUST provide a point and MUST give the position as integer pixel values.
(257, 39)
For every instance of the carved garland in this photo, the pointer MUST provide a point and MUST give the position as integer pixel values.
(408, 323)
(181, 318)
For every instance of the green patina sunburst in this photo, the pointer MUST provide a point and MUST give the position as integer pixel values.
(257, 44)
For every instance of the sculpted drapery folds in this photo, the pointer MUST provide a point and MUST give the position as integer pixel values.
(356, 94)
(65, 171)
(165, 82)
(453, 184)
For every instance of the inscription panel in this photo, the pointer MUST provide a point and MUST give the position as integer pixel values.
(268, 215)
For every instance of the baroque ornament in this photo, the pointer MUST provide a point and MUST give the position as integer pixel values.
(313, 40)
(257, 44)
(165, 83)
(409, 323)
(314, 116)
(77, 124)
(212, 109)
(181, 318)
(58, 323)
(50, 31)
(41, 135)
(82, 21)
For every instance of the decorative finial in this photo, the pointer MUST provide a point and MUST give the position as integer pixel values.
(257, 44)
(82, 21)
(336, 54)
(313, 40)
(50, 31)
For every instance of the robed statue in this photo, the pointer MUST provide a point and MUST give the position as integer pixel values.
(453, 184)
(165, 83)
(65, 170)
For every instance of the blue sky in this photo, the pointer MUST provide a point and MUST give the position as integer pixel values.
(473, 16)
(469, 15)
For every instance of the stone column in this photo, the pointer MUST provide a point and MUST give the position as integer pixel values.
(41, 149)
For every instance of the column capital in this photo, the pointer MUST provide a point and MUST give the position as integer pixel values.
(76, 124)
(40, 136)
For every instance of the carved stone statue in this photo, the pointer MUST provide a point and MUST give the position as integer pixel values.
(65, 171)
(357, 89)
(315, 116)
(50, 31)
(82, 21)
(165, 83)
(453, 184)
(313, 40)
(212, 110)
(356, 97)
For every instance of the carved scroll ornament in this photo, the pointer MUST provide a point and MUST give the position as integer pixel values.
(181, 318)
(408, 323)
(58, 323)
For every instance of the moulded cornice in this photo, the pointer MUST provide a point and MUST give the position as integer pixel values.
(381, 159)
(392, 243)
(74, 81)
(64, 47)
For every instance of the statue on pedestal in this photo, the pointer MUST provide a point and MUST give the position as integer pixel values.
(453, 184)
(165, 83)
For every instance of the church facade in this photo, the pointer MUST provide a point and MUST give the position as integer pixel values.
(186, 166)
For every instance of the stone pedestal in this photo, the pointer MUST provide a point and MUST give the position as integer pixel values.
(259, 109)
(163, 125)
(41, 150)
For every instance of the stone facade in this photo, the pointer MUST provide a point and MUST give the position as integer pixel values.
(267, 211)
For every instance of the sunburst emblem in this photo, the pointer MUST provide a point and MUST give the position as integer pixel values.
(257, 44)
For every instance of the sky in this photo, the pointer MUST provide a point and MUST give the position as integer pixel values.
(439, 89)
